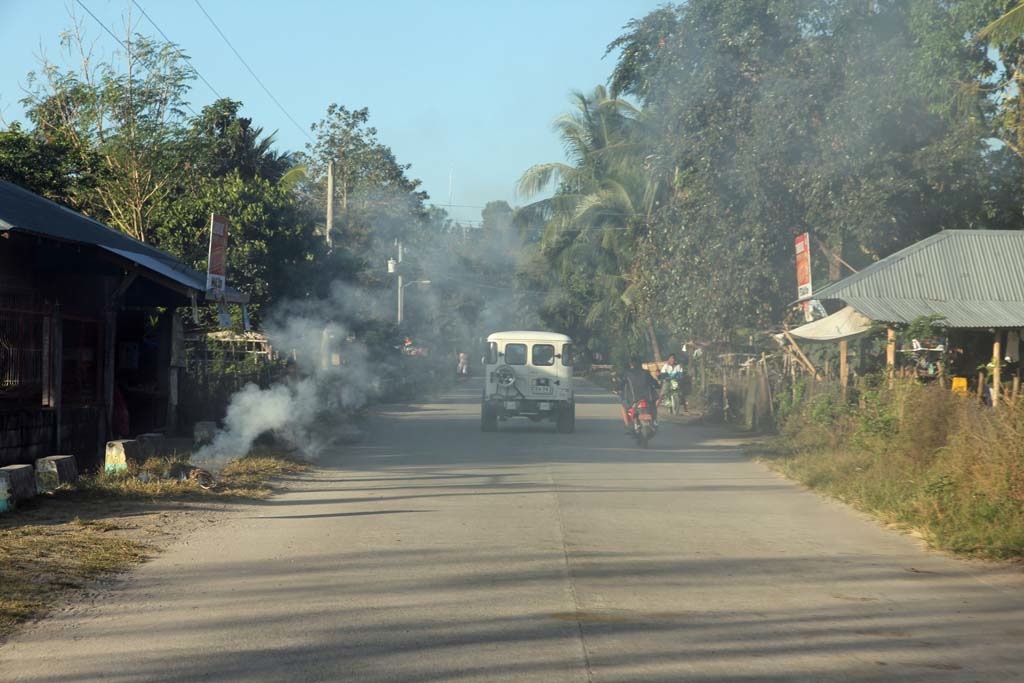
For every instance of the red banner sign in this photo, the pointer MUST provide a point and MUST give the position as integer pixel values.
(803, 272)
(217, 264)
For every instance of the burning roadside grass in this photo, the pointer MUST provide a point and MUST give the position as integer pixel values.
(58, 544)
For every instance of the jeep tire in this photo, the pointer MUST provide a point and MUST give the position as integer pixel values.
(488, 418)
(566, 421)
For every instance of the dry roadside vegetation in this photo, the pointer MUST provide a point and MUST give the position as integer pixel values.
(918, 457)
(61, 541)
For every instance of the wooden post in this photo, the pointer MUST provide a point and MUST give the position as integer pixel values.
(843, 367)
(768, 386)
(890, 350)
(996, 362)
(57, 343)
(800, 354)
(109, 356)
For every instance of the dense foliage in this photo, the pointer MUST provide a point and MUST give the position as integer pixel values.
(119, 141)
(730, 128)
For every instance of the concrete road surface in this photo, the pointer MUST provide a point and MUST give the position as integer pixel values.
(433, 552)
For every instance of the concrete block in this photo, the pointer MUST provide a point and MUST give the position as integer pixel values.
(6, 501)
(21, 481)
(204, 432)
(152, 445)
(121, 454)
(54, 470)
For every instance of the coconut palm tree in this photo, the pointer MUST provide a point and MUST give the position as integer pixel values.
(603, 198)
(1008, 27)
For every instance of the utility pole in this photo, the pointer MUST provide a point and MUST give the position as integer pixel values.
(400, 296)
(330, 202)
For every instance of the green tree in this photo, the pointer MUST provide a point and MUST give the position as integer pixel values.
(375, 201)
(128, 115)
(52, 169)
(602, 200)
(767, 119)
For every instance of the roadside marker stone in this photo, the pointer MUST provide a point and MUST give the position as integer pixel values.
(122, 453)
(21, 481)
(54, 470)
(6, 502)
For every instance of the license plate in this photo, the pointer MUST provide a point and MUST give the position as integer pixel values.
(644, 417)
(543, 405)
(542, 390)
(510, 405)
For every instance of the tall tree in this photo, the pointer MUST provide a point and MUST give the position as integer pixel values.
(129, 115)
(375, 200)
(592, 222)
(776, 117)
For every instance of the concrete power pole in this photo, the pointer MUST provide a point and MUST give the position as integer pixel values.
(330, 202)
(400, 301)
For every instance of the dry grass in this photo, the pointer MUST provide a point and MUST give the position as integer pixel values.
(917, 457)
(39, 564)
(56, 544)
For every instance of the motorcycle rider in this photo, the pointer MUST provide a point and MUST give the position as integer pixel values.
(672, 370)
(637, 383)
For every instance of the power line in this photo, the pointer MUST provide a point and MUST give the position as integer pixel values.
(252, 73)
(120, 42)
(164, 35)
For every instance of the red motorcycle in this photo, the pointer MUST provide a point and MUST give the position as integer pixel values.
(641, 422)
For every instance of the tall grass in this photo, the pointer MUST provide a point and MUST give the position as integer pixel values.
(916, 456)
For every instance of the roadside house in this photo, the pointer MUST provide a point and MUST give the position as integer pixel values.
(90, 331)
(967, 280)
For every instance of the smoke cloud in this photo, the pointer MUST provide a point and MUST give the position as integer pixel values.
(312, 408)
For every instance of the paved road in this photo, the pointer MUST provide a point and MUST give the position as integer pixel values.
(433, 552)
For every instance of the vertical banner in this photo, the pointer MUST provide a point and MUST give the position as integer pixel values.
(803, 272)
(217, 264)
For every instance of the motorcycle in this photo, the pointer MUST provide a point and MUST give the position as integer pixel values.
(641, 422)
(673, 393)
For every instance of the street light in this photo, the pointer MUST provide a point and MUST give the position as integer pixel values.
(401, 295)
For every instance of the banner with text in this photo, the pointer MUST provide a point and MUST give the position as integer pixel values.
(803, 272)
(217, 264)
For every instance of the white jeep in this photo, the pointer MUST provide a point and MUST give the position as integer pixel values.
(528, 374)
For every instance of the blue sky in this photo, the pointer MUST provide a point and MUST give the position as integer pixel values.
(468, 88)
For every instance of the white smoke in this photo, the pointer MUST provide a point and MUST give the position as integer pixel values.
(336, 376)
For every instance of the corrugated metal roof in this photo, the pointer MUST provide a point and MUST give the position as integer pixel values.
(971, 278)
(28, 212)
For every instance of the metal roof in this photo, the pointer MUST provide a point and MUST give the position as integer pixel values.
(971, 278)
(26, 211)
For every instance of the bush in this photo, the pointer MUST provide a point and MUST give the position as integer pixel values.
(919, 456)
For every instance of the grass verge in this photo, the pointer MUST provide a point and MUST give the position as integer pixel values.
(916, 457)
(57, 543)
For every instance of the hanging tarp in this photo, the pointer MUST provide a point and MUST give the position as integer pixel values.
(843, 324)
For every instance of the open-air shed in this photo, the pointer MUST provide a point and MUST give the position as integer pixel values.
(968, 279)
(88, 322)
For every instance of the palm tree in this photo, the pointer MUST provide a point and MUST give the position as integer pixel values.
(1008, 27)
(602, 201)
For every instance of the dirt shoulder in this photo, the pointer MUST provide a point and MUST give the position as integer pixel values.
(65, 544)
